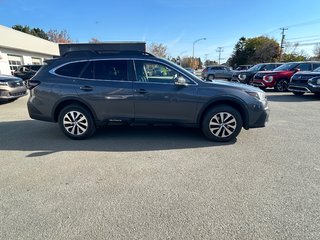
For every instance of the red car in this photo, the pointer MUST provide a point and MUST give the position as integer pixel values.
(279, 78)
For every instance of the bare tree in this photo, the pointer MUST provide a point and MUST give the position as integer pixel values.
(59, 37)
(316, 50)
(159, 50)
(94, 40)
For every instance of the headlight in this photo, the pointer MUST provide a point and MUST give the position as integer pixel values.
(242, 76)
(314, 81)
(4, 84)
(257, 95)
(267, 78)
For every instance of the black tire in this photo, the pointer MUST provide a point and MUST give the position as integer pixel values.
(76, 122)
(298, 93)
(210, 77)
(221, 123)
(263, 88)
(281, 85)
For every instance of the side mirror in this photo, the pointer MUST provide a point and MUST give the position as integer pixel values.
(180, 81)
(296, 70)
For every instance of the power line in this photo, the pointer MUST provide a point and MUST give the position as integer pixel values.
(312, 36)
(311, 22)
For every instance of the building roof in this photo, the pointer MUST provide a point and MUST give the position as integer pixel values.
(17, 40)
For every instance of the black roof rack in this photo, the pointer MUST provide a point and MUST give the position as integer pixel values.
(91, 53)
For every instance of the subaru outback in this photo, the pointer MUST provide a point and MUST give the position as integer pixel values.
(84, 90)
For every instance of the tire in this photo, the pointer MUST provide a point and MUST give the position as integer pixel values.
(281, 85)
(210, 77)
(298, 93)
(76, 122)
(221, 130)
(263, 88)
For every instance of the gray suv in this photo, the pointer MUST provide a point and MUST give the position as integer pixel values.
(216, 72)
(84, 90)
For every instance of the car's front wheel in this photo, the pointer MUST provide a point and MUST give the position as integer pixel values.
(76, 122)
(222, 123)
(281, 85)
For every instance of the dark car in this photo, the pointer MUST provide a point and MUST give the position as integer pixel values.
(279, 78)
(247, 75)
(243, 67)
(11, 88)
(26, 71)
(303, 82)
(82, 93)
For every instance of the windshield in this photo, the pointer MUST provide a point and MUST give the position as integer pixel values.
(256, 67)
(286, 67)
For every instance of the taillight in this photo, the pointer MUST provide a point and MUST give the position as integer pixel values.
(32, 84)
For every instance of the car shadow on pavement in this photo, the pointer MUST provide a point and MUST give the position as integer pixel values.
(290, 97)
(44, 138)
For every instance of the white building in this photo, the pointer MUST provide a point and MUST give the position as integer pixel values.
(18, 48)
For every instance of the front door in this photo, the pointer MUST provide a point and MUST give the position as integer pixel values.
(158, 98)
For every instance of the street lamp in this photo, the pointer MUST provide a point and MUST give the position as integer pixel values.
(195, 43)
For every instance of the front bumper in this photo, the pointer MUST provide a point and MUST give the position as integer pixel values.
(258, 115)
(305, 88)
(261, 83)
(7, 93)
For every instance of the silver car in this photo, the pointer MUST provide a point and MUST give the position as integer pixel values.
(11, 88)
(216, 72)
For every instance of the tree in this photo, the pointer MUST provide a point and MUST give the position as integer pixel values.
(254, 50)
(59, 36)
(316, 51)
(292, 57)
(210, 63)
(38, 32)
(159, 50)
(94, 40)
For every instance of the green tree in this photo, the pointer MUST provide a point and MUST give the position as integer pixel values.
(38, 32)
(254, 50)
(293, 57)
(316, 51)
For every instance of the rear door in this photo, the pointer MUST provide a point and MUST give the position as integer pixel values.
(106, 86)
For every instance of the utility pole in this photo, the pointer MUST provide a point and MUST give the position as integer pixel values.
(282, 42)
(219, 50)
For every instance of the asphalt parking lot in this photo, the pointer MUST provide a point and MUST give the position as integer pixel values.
(162, 182)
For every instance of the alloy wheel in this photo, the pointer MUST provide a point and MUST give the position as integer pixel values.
(222, 124)
(75, 123)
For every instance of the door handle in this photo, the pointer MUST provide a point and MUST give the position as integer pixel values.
(141, 91)
(86, 88)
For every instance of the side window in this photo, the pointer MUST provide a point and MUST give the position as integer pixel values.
(315, 65)
(71, 69)
(155, 73)
(304, 66)
(269, 67)
(110, 70)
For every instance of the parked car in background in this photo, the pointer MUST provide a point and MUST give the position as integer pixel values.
(247, 75)
(26, 71)
(11, 88)
(243, 67)
(279, 78)
(82, 92)
(303, 82)
(216, 72)
(191, 70)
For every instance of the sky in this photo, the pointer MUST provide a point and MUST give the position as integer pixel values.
(175, 23)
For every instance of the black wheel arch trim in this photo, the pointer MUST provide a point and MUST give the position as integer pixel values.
(227, 100)
(74, 100)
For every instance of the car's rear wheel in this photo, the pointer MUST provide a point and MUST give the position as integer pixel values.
(281, 85)
(76, 122)
(222, 123)
(298, 93)
(210, 77)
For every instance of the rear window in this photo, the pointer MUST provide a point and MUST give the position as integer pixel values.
(71, 69)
